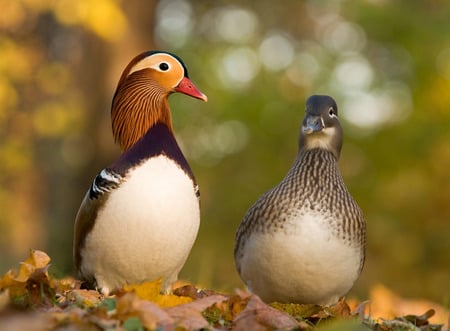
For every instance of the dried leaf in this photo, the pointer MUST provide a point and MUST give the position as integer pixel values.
(223, 313)
(84, 298)
(139, 307)
(151, 291)
(299, 311)
(36, 260)
(340, 309)
(130, 305)
(189, 316)
(39, 291)
(192, 292)
(259, 316)
(147, 290)
(31, 285)
(171, 300)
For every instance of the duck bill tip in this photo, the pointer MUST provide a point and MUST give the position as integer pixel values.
(187, 87)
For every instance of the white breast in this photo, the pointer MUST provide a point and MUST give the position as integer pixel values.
(146, 228)
(305, 264)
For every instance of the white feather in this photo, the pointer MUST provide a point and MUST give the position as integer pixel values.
(146, 228)
(306, 264)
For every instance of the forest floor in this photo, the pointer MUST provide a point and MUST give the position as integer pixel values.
(31, 299)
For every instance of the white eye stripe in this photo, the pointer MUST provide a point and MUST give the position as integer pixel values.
(146, 63)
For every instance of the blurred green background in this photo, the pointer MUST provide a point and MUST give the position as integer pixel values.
(387, 63)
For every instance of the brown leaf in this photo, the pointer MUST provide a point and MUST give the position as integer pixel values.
(189, 316)
(298, 310)
(223, 313)
(193, 292)
(419, 320)
(39, 290)
(130, 305)
(36, 260)
(340, 309)
(259, 316)
(31, 285)
(84, 298)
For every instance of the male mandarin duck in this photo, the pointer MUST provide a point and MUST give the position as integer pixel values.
(140, 218)
(303, 241)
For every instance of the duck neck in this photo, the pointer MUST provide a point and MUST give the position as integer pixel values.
(139, 104)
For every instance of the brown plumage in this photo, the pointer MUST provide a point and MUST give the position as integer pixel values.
(303, 241)
(141, 215)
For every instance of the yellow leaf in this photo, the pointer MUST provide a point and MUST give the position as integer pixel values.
(147, 290)
(150, 291)
(36, 260)
(130, 305)
(171, 300)
(7, 280)
(86, 298)
(31, 285)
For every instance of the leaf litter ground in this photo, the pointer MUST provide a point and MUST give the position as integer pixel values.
(31, 299)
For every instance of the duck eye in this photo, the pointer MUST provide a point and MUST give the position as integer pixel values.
(332, 112)
(163, 66)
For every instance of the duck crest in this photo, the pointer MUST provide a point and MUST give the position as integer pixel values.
(138, 104)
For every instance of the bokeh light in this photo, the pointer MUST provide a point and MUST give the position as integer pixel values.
(238, 67)
(174, 22)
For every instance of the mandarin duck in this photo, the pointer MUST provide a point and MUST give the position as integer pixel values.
(140, 218)
(303, 241)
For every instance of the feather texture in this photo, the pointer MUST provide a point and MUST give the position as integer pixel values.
(140, 217)
(303, 241)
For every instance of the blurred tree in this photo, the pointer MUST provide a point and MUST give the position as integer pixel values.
(386, 63)
(55, 93)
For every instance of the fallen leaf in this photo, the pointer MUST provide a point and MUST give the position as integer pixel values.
(39, 291)
(259, 316)
(31, 285)
(36, 260)
(192, 292)
(299, 311)
(340, 309)
(84, 298)
(151, 315)
(223, 313)
(150, 291)
(189, 316)
(147, 290)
